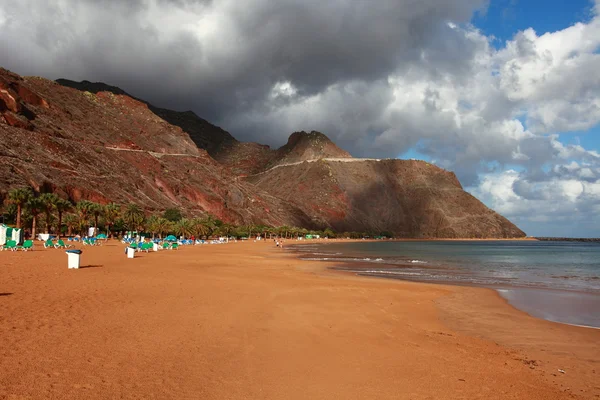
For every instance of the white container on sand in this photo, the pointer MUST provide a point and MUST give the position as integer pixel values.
(155, 246)
(73, 258)
(130, 252)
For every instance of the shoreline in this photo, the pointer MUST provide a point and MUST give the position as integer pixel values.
(250, 321)
(535, 352)
(540, 300)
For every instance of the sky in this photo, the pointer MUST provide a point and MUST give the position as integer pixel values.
(506, 93)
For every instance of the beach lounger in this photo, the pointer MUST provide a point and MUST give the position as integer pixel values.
(146, 247)
(11, 245)
(27, 245)
(166, 245)
(174, 246)
(48, 244)
(60, 244)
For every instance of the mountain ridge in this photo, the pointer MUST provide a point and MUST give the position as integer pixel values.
(109, 146)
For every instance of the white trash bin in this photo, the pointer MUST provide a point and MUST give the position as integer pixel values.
(130, 252)
(155, 246)
(73, 257)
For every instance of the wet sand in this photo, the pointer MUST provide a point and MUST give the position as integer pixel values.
(248, 321)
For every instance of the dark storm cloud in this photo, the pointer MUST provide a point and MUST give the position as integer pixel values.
(232, 66)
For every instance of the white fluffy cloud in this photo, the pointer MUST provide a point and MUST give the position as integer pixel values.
(379, 78)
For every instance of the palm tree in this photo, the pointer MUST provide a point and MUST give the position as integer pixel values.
(111, 214)
(163, 226)
(210, 224)
(62, 206)
(152, 225)
(133, 217)
(303, 232)
(262, 230)
(250, 228)
(160, 225)
(96, 211)
(284, 230)
(34, 207)
(199, 228)
(48, 202)
(19, 197)
(270, 230)
(84, 209)
(227, 229)
(72, 222)
(183, 227)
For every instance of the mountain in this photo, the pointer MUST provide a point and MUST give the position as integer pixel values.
(252, 158)
(93, 141)
(110, 147)
(410, 198)
(204, 134)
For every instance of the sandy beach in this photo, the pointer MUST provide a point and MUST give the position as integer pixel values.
(249, 321)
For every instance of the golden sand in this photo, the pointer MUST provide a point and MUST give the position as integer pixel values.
(248, 321)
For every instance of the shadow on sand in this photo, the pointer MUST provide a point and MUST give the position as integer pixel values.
(91, 266)
(5, 294)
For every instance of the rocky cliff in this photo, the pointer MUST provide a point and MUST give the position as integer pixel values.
(410, 198)
(93, 141)
(110, 147)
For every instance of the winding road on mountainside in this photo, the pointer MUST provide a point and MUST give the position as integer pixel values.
(159, 155)
(321, 159)
(153, 153)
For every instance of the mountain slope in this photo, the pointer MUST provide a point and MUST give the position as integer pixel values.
(106, 147)
(252, 158)
(93, 141)
(410, 198)
(204, 134)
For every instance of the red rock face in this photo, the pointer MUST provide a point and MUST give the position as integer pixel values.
(30, 97)
(106, 146)
(16, 120)
(410, 198)
(13, 99)
(9, 100)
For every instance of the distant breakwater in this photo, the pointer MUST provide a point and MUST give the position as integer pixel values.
(567, 239)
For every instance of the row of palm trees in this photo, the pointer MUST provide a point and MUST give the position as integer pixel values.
(61, 215)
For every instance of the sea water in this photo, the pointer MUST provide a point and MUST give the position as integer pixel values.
(557, 281)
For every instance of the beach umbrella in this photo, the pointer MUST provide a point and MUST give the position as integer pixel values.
(171, 238)
(101, 236)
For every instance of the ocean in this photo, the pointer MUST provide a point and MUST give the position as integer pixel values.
(557, 281)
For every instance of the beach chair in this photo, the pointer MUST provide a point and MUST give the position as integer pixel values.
(166, 245)
(27, 245)
(11, 245)
(147, 246)
(174, 246)
(48, 244)
(60, 244)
